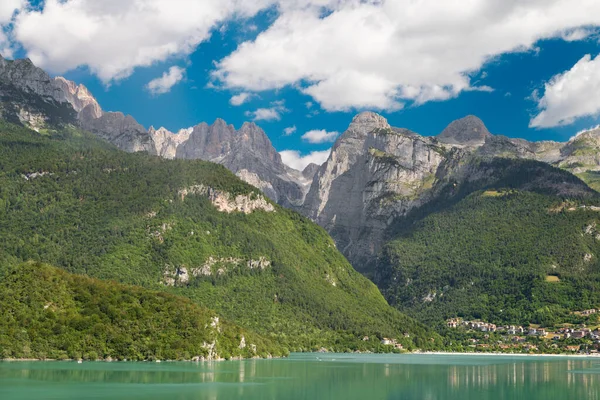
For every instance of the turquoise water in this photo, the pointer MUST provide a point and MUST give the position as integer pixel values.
(310, 376)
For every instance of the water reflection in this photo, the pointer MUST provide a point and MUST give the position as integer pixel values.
(310, 377)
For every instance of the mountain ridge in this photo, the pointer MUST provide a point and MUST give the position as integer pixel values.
(374, 174)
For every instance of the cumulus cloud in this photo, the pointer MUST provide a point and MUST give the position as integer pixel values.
(294, 159)
(113, 37)
(573, 35)
(320, 136)
(290, 130)
(382, 54)
(570, 95)
(8, 8)
(272, 113)
(169, 79)
(240, 99)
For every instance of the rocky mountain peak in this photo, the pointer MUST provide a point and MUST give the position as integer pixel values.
(367, 121)
(468, 131)
(25, 76)
(79, 96)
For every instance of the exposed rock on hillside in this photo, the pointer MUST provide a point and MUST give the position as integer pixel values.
(225, 202)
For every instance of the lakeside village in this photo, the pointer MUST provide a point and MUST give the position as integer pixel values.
(481, 336)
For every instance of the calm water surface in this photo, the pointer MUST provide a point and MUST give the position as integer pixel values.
(310, 376)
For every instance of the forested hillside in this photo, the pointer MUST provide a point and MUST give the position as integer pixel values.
(48, 313)
(71, 200)
(522, 249)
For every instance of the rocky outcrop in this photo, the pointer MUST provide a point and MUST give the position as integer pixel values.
(25, 76)
(225, 202)
(213, 267)
(29, 96)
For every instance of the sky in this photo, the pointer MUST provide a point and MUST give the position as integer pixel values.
(301, 69)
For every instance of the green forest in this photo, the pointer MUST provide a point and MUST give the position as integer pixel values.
(501, 255)
(47, 313)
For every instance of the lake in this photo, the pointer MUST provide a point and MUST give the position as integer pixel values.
(310, 376)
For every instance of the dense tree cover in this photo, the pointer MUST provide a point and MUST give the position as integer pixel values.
(46, 312)
(111, 215)
(504, 256)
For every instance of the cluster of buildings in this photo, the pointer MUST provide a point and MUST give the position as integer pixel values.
(578, 333)
(566, 333)
(391, 342)
(476, 325)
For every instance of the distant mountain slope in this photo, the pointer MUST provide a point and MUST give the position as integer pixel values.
(487, 250)
(188, 227)
(377, 174)
(48, 313)
(246, 152)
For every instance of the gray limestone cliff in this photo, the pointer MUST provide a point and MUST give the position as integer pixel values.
(247, 152)
(374, 174)
(377, 174)
(29, 96)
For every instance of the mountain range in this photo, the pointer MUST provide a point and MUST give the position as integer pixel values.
(375, 173)
(380, 189)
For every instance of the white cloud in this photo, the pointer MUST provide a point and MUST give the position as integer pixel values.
(264, 114)
(289, 130)
(8, 8)
(293, 158)
(272, 113)
(240, 99)
(577, 34)
(320, 136)
(112, 37)
(169, 79)
(381, 54)
(570, 95)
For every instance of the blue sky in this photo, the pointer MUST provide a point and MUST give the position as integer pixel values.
(272, 53)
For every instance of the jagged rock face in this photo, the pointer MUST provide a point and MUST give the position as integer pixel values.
(310, 171)
(28, 96)
(374, 174)
(247, 152)
(121, 130)
(582, 153)
(25, 76)
(78, 96)
(468, 131)
(166, 142)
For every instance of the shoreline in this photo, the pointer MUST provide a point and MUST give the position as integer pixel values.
(416, 353)
(446, 353)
